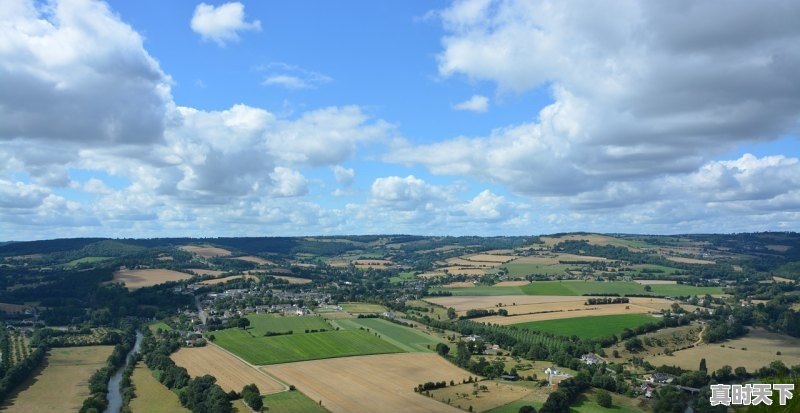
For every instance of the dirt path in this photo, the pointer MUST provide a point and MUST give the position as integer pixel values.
(700, 336)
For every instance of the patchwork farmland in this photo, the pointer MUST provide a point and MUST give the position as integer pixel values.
(135, 279)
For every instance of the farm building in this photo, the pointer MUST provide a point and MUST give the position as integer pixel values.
(591, 358)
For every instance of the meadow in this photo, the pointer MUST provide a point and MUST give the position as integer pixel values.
(408, 339)
(298, 347)
(362, 308)
(152, 396)
(261, 323)
(292, 402)
(589, 327)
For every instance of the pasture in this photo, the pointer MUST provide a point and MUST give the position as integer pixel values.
(357, 308)
(152, 396)
(761, 347)
(359, 384)
(159, 324)
(291, 402)
(135, 279)
(405, 338)
(231, 373)
(85, 260)
(205, 251)
(496, 394)
(63, 383)
(299, 347)
(261, 323)
(589, 327)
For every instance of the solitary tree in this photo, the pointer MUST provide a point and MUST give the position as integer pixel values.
(703, 367)
(604, 398)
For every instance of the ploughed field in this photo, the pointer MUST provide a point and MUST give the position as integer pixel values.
(368, 384)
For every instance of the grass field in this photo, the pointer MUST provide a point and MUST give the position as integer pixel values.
(63, 383)
(152, 396)
(362, 308)
(85, 260)
(159, 324)
(292, 402)
(761, 347)
(298, 347)
(497, 393)
(408, 339)
(231, 373)
(370, 384)
(261, 323)
(403, 276)
(587, 403)
(521, 269)
(585, 287)
(589, 327)
(135, 279)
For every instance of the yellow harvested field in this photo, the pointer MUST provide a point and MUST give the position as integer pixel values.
(512, 283)
(468, 263)
(655, 282)
(203, 271)
(782, 280)
(496, 394)
(231, 373)
(13, 308)
(431, 274)
(360, 384)
(779, 248)
(553, 259)
(135, 279)
(205, 251)
(593, 239)
(584, 311)
(761, 347)
(293, 280)
(254, 260)
(463, 271)
(226, 279)
(63, 384)
(689, 260)
(491, 258)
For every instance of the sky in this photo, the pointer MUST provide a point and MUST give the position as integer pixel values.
(471, 117)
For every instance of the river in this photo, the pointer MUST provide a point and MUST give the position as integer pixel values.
(114, 396)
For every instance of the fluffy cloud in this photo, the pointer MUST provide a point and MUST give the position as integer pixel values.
(405, 193)
(344, 175)
(221, 24)
(292, 77)
(640, 89)
(476, 103)
(289, 183)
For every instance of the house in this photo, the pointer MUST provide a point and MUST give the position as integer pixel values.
(472, 337)
(660, 378)
(591, 358)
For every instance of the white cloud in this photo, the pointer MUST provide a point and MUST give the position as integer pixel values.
(405, 194)
(344, 175)
(488, 207)
(640, 89)
(476, 103)
(292, 77)
(221, 24)
(288, 183)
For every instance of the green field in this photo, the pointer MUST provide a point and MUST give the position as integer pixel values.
(159, 324)
(584, 288)
(299, 347)
(292, 402)
(85, 260)
(644, 270)
(152, 396)
(406, 338)
(261, 323)
(403, 276)
(362, 308)
(589, 327)
(514, 406)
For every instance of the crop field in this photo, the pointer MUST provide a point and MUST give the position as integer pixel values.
(359, 384)
(362, 308)
(655, 282)
(63, 384)
(643, 269)
(289, 402)
(589, 327)
(566, 313)
(152, 396)
(231, 373)
(261, 323)
(491, 258)
(223, 280)
(516, 283)
(135, 279)
(596, 239)
(491, 394)
(521, 269)
(689, 260)
(13, 308)
(566, 288)
(293, 280)
(299, 347)
(406, 338)
(461, 270)
(205, 251)
(254, 260)
(761, 347)
(472, 263)
(464, 303)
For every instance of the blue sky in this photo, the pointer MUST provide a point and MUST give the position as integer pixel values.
(154, 118)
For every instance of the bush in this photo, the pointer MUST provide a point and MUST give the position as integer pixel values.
(604, 398)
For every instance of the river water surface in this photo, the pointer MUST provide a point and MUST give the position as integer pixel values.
(114, 396)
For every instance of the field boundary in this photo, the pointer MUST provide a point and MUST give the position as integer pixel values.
(256, 368)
